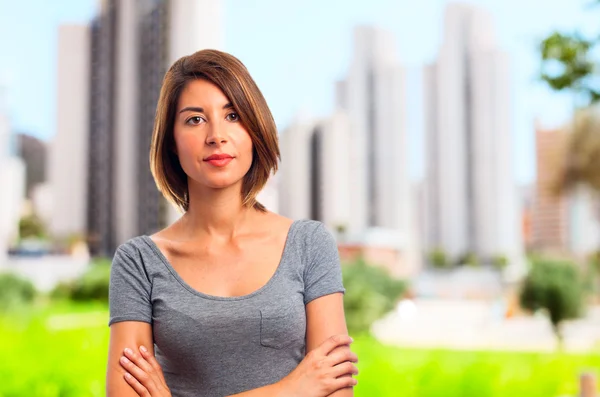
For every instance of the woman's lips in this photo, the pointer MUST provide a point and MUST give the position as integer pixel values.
(222, 162)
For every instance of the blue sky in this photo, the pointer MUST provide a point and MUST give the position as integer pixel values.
(296, 50)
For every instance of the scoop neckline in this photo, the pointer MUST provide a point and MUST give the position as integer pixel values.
(157, 251)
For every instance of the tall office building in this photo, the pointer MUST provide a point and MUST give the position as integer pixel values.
(561, 222)
(101, 159)
(294, 170)
(549, 216)
(373, 97)
(315, 180)
(34, 153)
(471, 194)
(151, 207)
(68, 155)
(133, 42)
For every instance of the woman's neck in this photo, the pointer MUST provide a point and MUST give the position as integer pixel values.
(217, 213)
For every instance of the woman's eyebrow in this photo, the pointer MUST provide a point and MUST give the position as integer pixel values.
(228, 105)
(192, 109)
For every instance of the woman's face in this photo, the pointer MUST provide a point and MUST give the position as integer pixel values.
(213, 147)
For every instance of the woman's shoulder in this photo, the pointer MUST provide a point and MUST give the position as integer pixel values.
(136, 248)
(311, 230)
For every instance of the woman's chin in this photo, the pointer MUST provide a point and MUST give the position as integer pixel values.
(219, 183)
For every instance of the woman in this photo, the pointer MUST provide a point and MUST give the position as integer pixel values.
(231, 299)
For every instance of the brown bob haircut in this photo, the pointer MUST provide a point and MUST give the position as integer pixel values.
(231, 76)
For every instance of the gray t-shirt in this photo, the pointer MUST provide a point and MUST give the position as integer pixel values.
(217, 346)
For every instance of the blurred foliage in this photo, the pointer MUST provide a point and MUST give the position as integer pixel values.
(556, 287)
(438, 259)
(92, 286)
(594, 261)
(582, 162)
(370, 293)
(568, 65)
(31, 226)
(468, 259)
(15, 291)
(593, 273)
(499, 261)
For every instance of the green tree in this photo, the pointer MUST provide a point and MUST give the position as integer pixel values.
(499, 261)
(555, 287)
(370, 293)
(91, 286)
(438, 259)
(31, 226)
(15, 291)
(468, 259)
(569, 64)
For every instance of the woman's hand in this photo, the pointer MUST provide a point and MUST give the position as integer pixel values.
(322, 373)
(144, 374)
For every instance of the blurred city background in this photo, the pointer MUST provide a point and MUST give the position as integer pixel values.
(453, 148)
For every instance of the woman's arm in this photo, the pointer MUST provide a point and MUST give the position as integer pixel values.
(124, 334)
(324, 318)
(318, 375)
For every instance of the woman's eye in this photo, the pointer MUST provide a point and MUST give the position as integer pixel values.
(233, 117)
(194, 120)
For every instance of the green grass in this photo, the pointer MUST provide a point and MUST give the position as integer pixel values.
(60, 351)
(391, 371)
(46, 352)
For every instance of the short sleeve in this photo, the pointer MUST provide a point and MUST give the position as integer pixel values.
(129, 290)
(323, 272)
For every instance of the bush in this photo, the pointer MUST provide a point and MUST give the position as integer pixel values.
(499, 261)
(370, 293)
(92, 286)
(556, 287)
(468, 259)
(15, 291)
(32, 226)
(438, 259)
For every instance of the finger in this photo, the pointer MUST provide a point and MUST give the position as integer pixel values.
(341, 355)
(333, 342)
(343, 383)
(140, 375)
(345, 368)
(139, 361)
(152, 360)
(137, 386)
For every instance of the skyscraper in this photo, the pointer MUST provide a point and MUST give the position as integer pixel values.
(33, 151)
(314, 181)
(350, 170)
(550, 209)
(373, 97)
(471, 195)
(68, 156)
(101, 160)
(294, 170)
(561, 221)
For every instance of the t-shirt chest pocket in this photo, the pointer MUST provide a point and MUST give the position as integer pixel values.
(281, 327)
